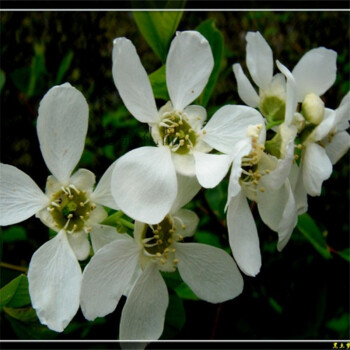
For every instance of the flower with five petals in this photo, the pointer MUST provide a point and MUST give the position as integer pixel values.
(70, 206)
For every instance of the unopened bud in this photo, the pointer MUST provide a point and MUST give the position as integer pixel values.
(313, 108)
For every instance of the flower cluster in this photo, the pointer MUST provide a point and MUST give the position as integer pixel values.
(275, 150)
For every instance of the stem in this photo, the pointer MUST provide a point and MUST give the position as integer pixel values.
(272, 124)
(126, 223)
(14, 267)
(113, 219)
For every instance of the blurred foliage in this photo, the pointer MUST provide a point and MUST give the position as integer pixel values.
(158, 29)
(301, 293)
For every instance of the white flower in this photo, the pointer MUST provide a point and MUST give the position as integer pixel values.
(258, 176)
(323, 138)
(210, 272)
(262, 178)
(272, 94)
(144, 180)
(324, 146)
(69, 206)
(315, 72)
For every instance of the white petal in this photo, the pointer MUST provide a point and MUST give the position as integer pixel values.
(278, 175)
(242, 149)
(184, 164)
(80, 244)
(338, 147)
(106, 277)
(144, 311)
(229, 125)
(209, 271)
(101, 235)
(197, 115)
(211, 168)
(277, 209)
(97, 215)
(291, 99)
(188, 187)
(343, 113)
(259, 59)
(62, 125)
(315, 72)
(20, 196)
(243, 236)
(52, 186)
(139, 229)
(54, 278)
(186, 222)
(83, 180)
(102, 194)
(300, 195)
(325, 127)
(132, 82)
(201, 145)
(317, 167)
(188, 67)
(288, 134)
(245, 89)
(46, 218)
(144, 183)
(289, 220)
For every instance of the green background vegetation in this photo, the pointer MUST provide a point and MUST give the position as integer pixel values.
(301, 293)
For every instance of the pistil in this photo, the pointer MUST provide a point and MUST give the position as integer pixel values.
(69, 209)
(177, 133)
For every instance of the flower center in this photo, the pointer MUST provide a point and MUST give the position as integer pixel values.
(158, 242)
(70, 209)
(251, 174)
(176, 132)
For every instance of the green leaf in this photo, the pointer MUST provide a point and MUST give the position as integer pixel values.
(158, 28)
(31, 330)
(119, 119)
(216, 198)
(87, 158)
(216, 41)
(339, 324)
(185, 292)
(309, 229)
(64, 66)
(15, 293)
(109, 152)
(275, 305)
(25, 314)
(30, 80)
(20, 78)
(345, 254)
(158, 82)
(37, 70)
(14, 234)
(172, 279)
(208, 238)
(175, 317)
(2, 79)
